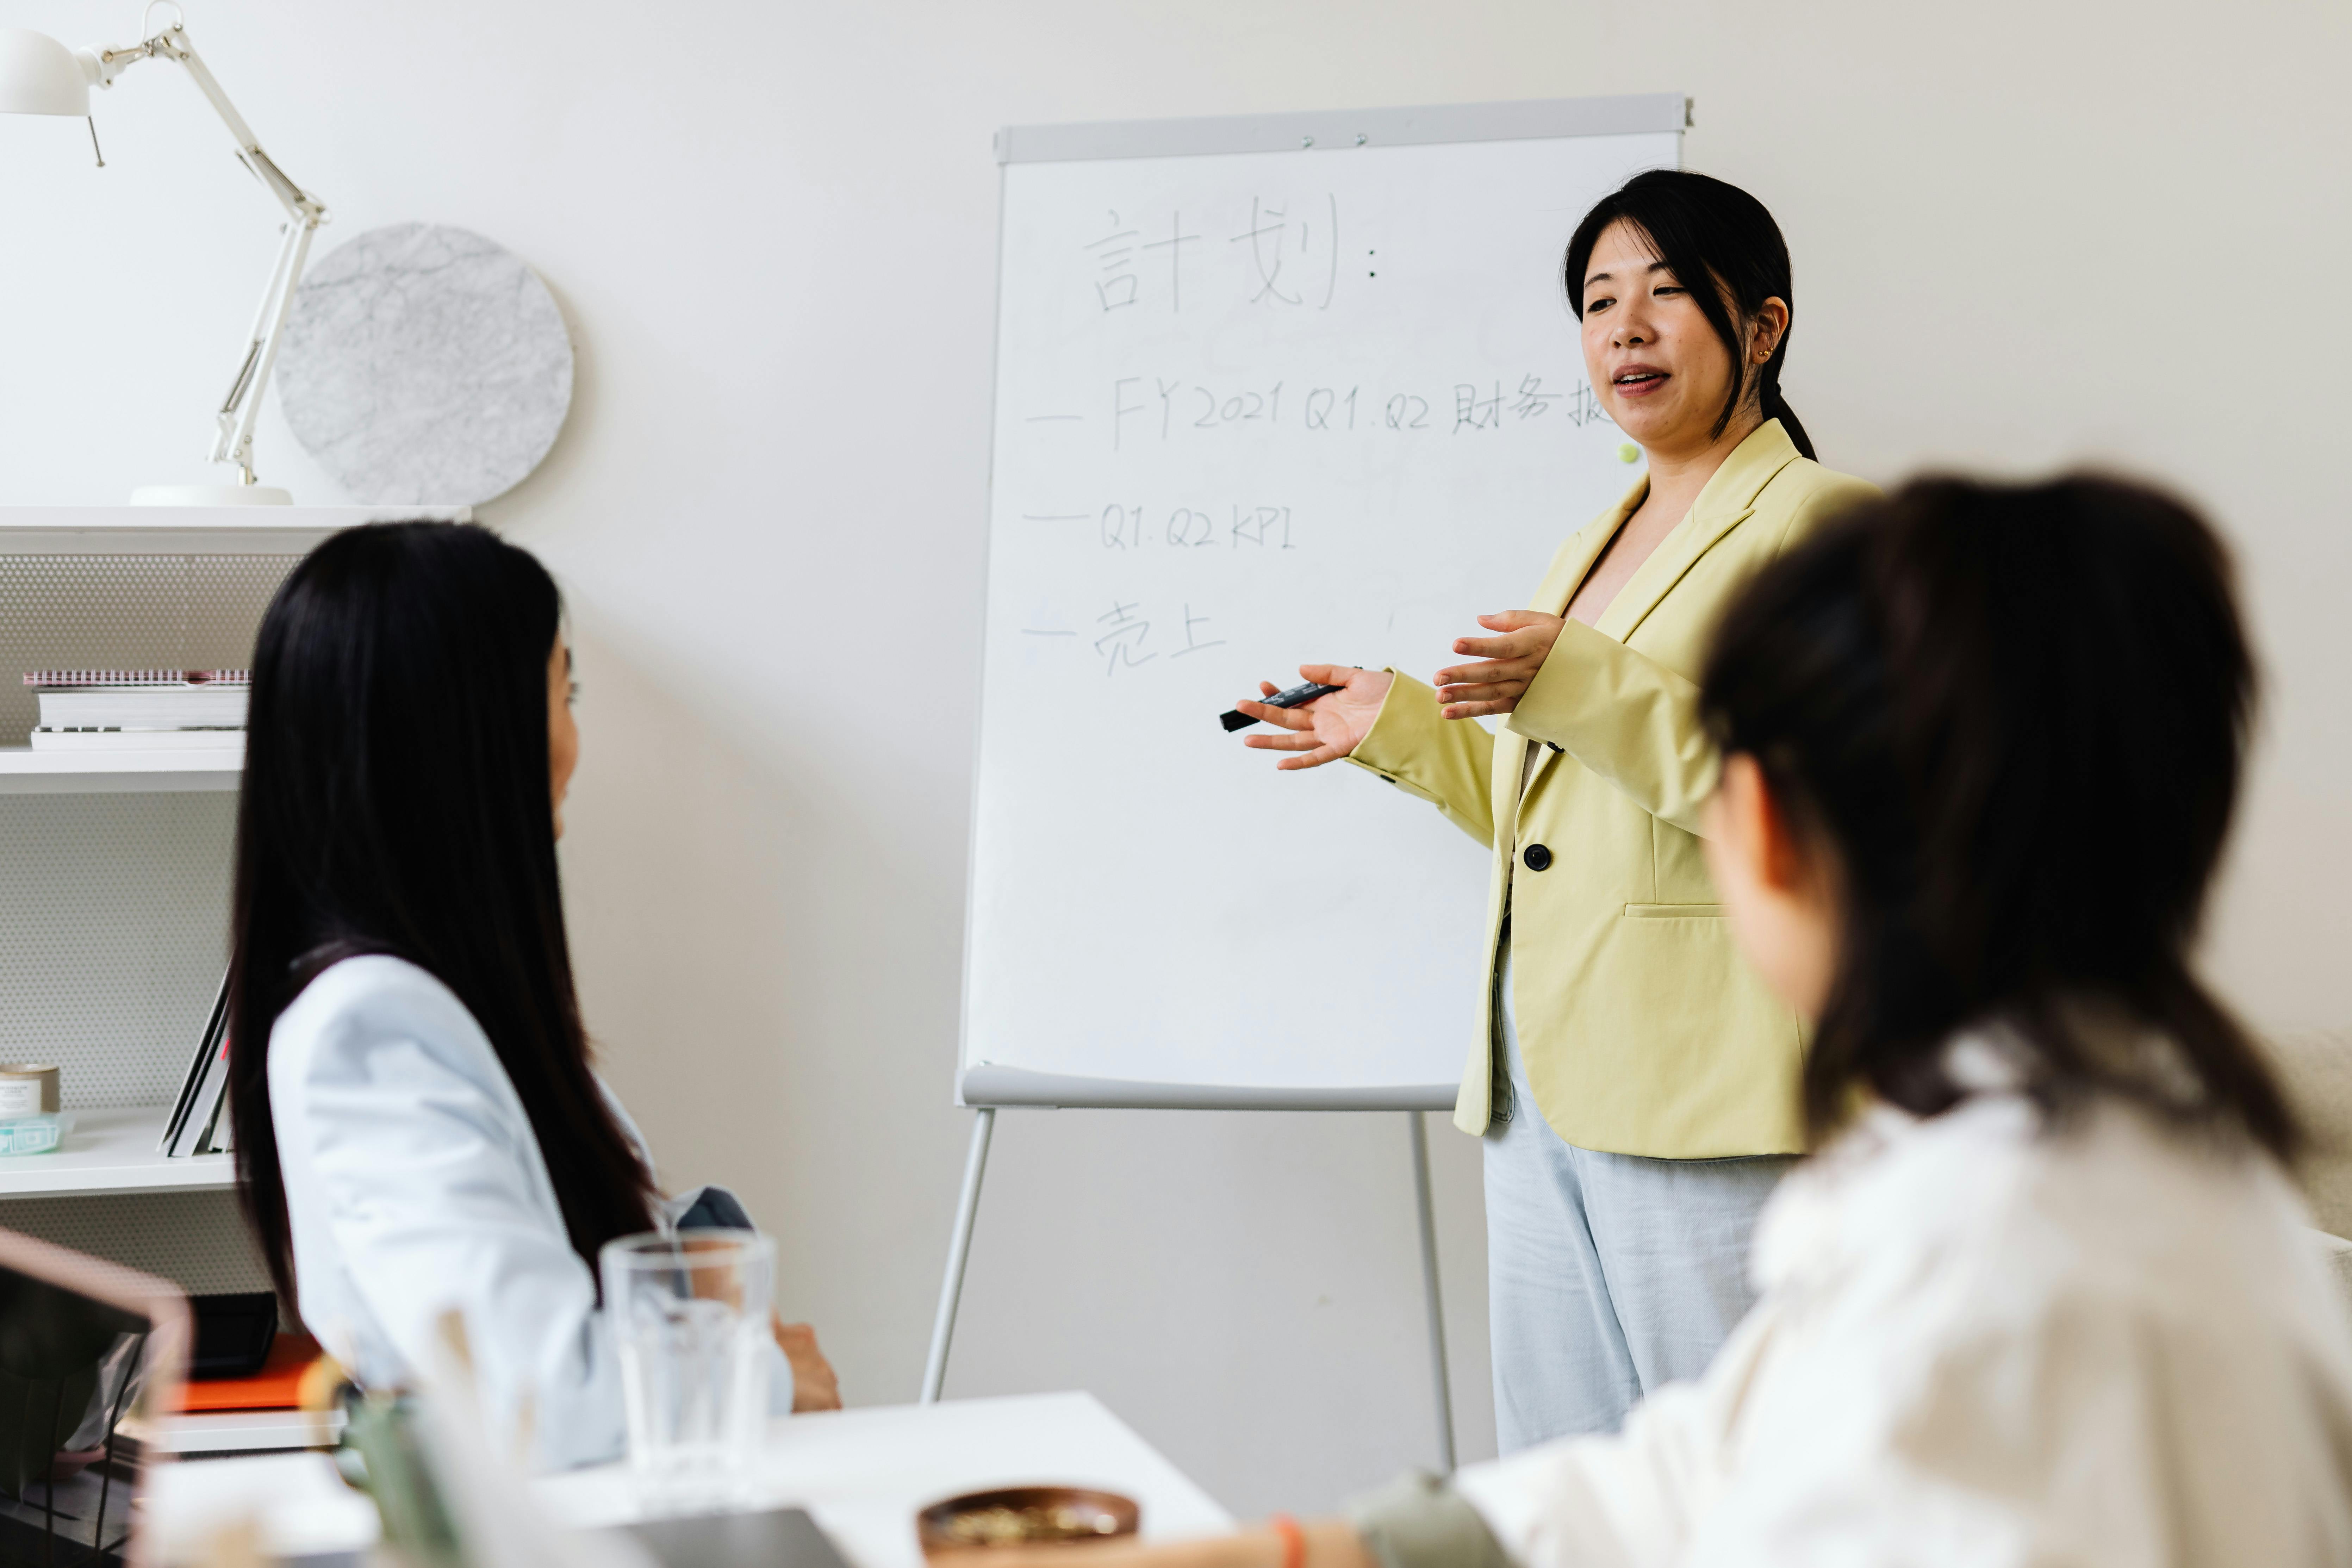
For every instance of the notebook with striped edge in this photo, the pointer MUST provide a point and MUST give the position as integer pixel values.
(66, 678)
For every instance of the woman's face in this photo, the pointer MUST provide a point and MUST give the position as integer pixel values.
(1657, 367)
(562, 732)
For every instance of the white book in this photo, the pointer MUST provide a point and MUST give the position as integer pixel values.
(235, 1431)
(207, 1048)
(219, 706)
(43, 738)
(195, 1133)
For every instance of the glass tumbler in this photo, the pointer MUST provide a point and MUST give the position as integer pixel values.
(689, 1315)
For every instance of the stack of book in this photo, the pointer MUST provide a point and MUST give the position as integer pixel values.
(139, 710)
(255, 1413)
(200, 1122)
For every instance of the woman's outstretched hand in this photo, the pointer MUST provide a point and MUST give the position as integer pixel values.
(1472, 691)
(813, 1386)
(1327, 728)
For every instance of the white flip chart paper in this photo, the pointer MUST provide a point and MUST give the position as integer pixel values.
(1256, 409)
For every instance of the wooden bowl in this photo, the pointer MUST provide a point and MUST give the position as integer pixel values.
(1025, 1515)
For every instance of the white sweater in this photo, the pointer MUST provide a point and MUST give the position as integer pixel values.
(1982, 1341)
(414, 1183)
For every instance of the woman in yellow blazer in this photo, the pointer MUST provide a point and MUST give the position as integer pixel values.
(1635, 1083)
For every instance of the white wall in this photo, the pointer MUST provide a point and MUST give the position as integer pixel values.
(2026, 234)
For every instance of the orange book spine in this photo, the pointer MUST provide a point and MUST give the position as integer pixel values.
(277, 1387)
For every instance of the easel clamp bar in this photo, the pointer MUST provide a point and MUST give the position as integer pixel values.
(1344, 130)
(1018, 1088)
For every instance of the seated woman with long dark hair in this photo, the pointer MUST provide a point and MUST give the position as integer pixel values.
(418, 1124)
(2046, 1294)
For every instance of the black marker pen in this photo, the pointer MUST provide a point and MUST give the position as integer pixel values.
(1234, 719)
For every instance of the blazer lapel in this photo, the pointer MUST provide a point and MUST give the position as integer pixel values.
(1583, 548)
(1723, 505)
(1559, 586)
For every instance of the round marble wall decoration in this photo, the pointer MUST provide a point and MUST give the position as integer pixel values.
(424, 365)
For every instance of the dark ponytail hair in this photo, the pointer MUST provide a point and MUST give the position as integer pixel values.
(2015, 717)
(396, 801)
(1703, 229)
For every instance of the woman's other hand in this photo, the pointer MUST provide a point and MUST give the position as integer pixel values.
(1327, 728)
(1472, 690)
(813, 1384)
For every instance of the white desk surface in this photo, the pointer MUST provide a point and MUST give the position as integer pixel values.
(862, 1473)
(299, 1502)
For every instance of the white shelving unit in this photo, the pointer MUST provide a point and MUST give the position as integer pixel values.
(26, 772)
(112, 1151)
(113, 915)
(199, 531)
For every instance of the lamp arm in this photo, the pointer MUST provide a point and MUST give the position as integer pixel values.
(102, 66)
(241, 408)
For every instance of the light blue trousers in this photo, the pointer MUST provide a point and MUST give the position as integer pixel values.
(1607, 1275)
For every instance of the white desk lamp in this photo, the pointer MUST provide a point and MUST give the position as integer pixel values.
(40, 76)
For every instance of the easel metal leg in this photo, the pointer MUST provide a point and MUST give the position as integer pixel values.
(1442, 1387)
(935, 1367)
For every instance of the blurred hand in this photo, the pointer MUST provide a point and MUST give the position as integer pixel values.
(814, 1385)
(1327, 728)
(1472, 691)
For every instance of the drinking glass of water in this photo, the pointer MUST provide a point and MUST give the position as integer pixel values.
(689, 1315)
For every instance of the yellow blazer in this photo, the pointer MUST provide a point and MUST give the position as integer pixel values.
(1643, 1030)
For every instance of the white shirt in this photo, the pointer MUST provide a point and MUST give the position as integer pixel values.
(414, 1183)
(1982, 1341)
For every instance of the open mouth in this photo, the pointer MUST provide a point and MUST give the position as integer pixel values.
(1634, 383)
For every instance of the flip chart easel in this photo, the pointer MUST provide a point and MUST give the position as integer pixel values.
(990, 1090)
(1268, 388)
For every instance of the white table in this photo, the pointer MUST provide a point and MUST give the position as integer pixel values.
(300, 1504)
(862, 1473)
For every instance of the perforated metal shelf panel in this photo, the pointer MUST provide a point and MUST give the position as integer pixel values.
(196, 1240)
(113, 933)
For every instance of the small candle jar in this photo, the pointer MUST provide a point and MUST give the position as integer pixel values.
(27, 1089)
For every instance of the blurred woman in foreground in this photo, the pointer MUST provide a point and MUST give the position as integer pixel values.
(2046, 1294)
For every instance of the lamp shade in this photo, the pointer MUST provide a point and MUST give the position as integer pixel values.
(39, 75)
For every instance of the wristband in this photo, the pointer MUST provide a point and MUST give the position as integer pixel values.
(1293, 1539)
